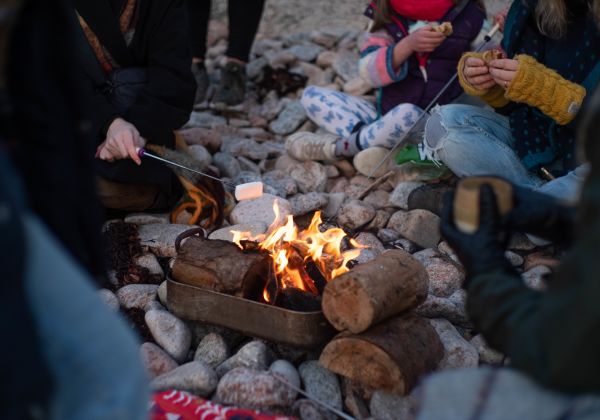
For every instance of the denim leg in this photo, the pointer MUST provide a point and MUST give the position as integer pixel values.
(567, 188)
(336, 112)
(389, 129)
(474, 141)
(91, 354)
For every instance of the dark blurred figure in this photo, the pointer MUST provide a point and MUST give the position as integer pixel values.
(244, 19)
(136, 61)
(550, 337)
(64, 354)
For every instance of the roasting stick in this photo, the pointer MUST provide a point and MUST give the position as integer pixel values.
(313, 399)
(246, 191)
(486, 40)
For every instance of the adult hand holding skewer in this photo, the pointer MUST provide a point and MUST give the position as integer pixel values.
(122, 142)
(478, 73)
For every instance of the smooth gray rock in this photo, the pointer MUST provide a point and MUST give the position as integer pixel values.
(321, 384)
(212, 350)
(451, 308)
(335, 204)
(515, 259)
(172, 334)
(281, 181)
(156, 361)
(109, 299)
(194, 377)
(445, 277)
(205, 120)
(150, 262)
(254, 355)
(420, 226)
(384, 406)
(137, 295)
(260, 210)
(255, 67)
(201, 154)
(305, 203)
(399, 197)
(246, 165)
(227, 165)
(162, 293)
(346, 65)
(287, 371)
(292, 117)
(306, 52)
(310, 177)
(160, 239)
(458, 353)
(388, 235)
(379, 199)
(245, 147)
(225, 234)
(535, 278)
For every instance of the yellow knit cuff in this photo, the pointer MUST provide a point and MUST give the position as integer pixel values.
(543, 88)
(493, 96)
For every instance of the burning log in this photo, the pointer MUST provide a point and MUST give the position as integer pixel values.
(390, 356)
(221, 266)
(390, 284)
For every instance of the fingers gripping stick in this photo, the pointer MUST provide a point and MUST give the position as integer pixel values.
(248, 191)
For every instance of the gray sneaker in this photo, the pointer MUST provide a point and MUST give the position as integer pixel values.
(305, 146)
(202, 81)
(232, 87)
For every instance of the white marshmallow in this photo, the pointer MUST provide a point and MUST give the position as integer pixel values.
(248, 191)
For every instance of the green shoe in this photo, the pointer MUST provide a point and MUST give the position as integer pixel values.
(414, 157)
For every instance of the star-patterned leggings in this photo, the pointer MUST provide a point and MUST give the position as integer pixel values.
(340, 113)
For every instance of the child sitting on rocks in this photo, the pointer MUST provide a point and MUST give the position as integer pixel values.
(409, 60)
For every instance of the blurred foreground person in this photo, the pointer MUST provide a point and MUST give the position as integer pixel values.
(136, 61)
(550, 337)
(65, 355)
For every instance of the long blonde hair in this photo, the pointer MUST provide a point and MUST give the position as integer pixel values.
(552, 17)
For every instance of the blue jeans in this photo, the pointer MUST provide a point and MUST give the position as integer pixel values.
(475, 141)
(91, 354)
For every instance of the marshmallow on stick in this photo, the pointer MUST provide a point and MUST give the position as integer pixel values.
(248, 191)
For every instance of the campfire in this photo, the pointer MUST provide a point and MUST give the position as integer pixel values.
(302, 261)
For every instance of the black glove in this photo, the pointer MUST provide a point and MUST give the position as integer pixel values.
(541, 215)
(482, 251)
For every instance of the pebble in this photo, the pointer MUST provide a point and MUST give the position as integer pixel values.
(310, 176)
(156, 361)
(249, 388)
(109, 299)
(338, 185)
(202, 155)
(445, 277)
(535, 278)
(287, 371)
(346, 65)
(211, 139)
(458, 353)
(260, 210)
(445, 249)
(254, 355)
(486, 353)
(172, 334)
(309, 410)
(451, 308)
(225, 234)
(205, 120)
(370, 241)
(194, 377)
(245, 147)
(321, 384)
(162, 293)
(149, 261)
(335, 201)
(515, 259)
(256, 67)
(160, 239)
(306, 52)
(379, 199)
(332, 171)
(212, 350)
(326, 40)
(227, 164)
(384, 406)
(137, 295)
(281, 181)
(520, 242)
(420, 226)
(280, 58)
(345, 167)
(406, 245)
(381, 219)
(306, 203)
(285, 164)
(147, 218)
(545, 257)
(388, 235)
(355, 213)
(290, 118)
(246, 165)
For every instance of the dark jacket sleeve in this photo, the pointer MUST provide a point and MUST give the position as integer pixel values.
(165, 105)
(553, 336)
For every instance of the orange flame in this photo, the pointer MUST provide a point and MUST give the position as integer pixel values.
(291, 249)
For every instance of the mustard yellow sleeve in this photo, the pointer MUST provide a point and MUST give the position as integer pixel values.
(493, 96)
(543, 88)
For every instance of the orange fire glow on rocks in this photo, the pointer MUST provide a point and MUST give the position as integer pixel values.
(291, 249)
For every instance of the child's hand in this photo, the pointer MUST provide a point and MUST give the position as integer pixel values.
(425, 39)
(504, 71)
(478, 74)
(121, 142)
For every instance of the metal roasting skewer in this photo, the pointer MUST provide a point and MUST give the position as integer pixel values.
(313, 399)
(145, 153)
(486, 40)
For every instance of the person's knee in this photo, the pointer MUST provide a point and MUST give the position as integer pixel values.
(434, 131)
(310, 94)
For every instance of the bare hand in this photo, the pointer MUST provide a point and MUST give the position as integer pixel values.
(122, 140)
(504, 71)
(425, 40)
(478, 74)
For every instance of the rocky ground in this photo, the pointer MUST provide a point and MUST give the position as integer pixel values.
(247, 144)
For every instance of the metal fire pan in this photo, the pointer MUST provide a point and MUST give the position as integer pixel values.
(301, 329)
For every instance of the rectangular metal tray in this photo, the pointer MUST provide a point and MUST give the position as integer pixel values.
(306, 330)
